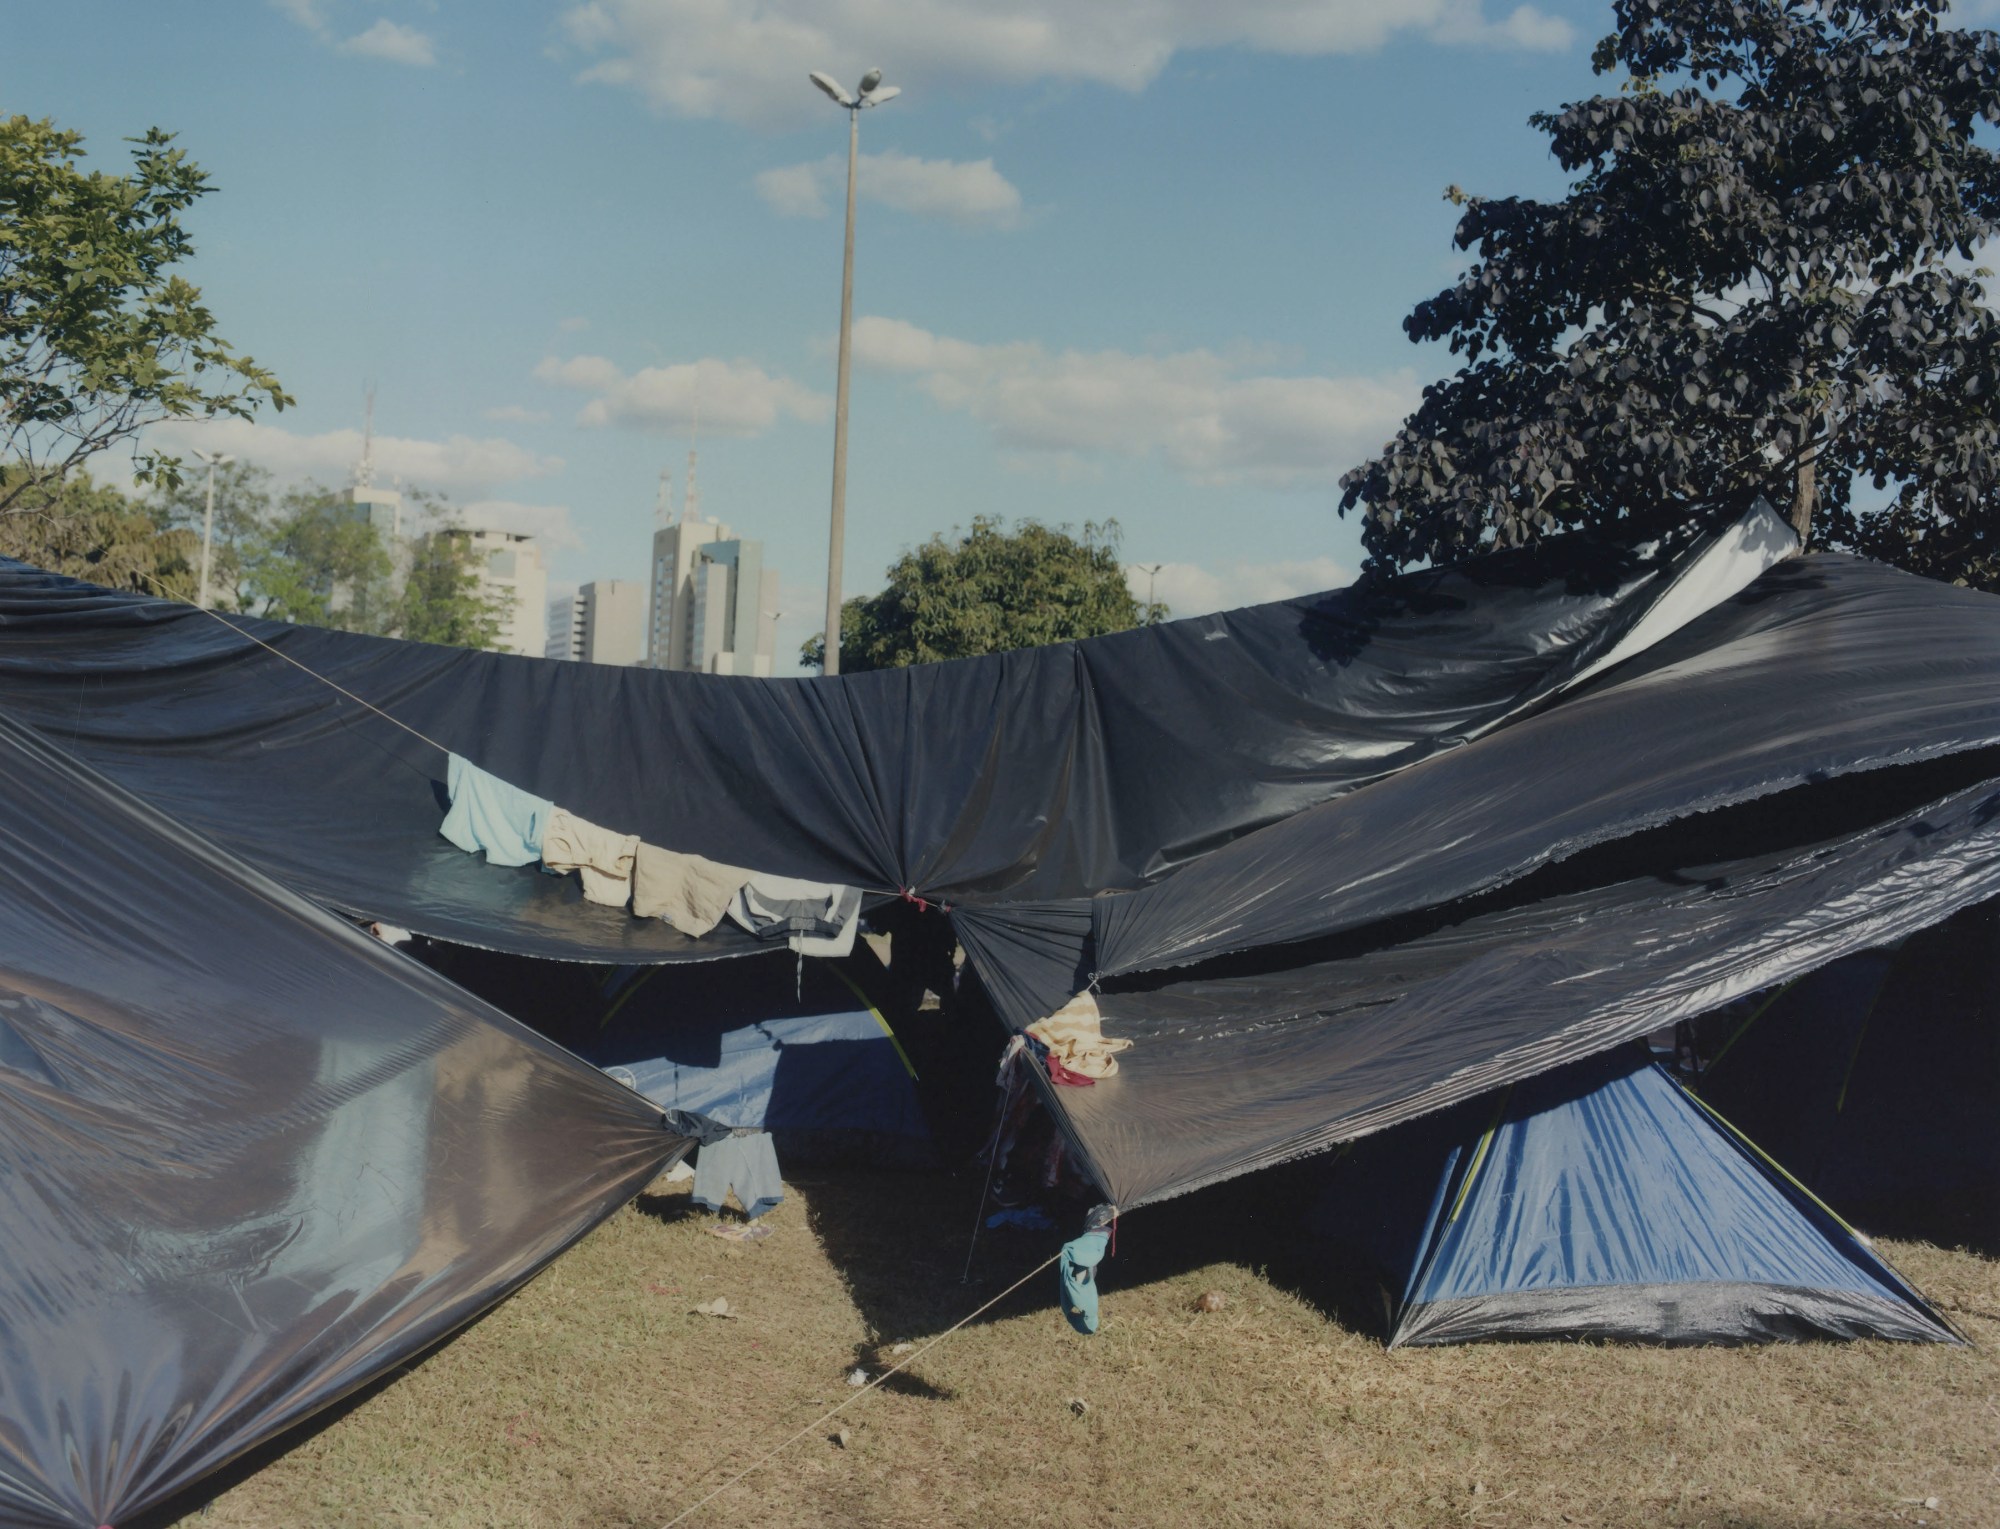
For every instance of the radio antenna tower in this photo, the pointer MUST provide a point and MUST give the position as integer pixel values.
(663, 508)
(364, 470)
(691, 494)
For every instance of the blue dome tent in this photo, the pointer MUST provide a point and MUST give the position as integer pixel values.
(1603, 1201)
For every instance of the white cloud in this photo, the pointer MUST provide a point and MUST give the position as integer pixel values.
(515, 414)
(458, 464)
(1205, 414)
(730, 397)
(394, 43)
(305, 12)
(573, 325)
(386, 39)
(549, 524)
(970, 193)
(1193, 589)
(706, 58)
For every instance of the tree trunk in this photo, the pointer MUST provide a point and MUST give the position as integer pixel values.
(1804, 499)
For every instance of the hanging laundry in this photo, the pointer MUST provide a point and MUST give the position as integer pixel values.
(745, 1161)
(1062, 1075)
(601, 857)
(1074, 1039)
(690, 892)
(488, 814)
(813, 917)
(1078, 1270)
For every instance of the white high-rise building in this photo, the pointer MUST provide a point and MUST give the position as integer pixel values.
(604, 622)
(512, 574)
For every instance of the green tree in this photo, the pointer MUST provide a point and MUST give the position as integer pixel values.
(441, 600)
(245, 503)
(92, 531)
(99, 337)
(309, 562)
(987, 591)
(1756, 286)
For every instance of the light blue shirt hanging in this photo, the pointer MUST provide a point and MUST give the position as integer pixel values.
(1078, 1268)
(488, 814)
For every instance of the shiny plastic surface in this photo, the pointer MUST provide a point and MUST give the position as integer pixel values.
(250, 1157)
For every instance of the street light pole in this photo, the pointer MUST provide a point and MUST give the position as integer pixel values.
(1152, 572)
(871, 93)
(214, 459)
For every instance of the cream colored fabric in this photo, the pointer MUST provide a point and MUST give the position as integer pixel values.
(688, 891)
(1074, 1039)
(601, 857)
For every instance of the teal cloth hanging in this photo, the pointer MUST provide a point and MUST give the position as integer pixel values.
(1078, 1268)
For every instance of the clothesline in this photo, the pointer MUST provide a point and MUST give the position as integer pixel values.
(909, 894)
(315, 674)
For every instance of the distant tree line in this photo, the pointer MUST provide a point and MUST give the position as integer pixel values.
(291, 555)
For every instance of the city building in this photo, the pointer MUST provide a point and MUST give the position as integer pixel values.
(604, 622)
(512, 575)
(565, 629)
(713, 602)
(381, 508)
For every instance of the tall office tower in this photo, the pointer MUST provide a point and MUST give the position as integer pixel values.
(713, 604)
(512, 574)
(565, 628)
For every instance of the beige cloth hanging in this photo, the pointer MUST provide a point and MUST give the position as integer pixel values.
(690, 892)
(601, 857)
(1073, 1037)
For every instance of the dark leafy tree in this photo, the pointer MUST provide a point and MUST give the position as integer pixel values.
(987, 591)
(1761, 283)
(93, 532)
(99, 335)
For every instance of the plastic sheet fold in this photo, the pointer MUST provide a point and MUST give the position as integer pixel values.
(250, 1158)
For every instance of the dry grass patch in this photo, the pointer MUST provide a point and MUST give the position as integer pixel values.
(596, 1397)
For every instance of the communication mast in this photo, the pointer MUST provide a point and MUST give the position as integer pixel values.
(364, 470)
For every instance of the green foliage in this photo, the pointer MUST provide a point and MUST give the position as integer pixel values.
(299, 556)
(441, 601)
(986, 592)
(1755, 287)
(313, 564)
(94, 532)
(244, 503)
(98, 337)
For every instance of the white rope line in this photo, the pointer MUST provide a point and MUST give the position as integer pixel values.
(825, 1418)
(307, 669)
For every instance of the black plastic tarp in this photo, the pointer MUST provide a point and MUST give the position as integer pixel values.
(1234, 1073)
(1051, 772)
(250, 1158)
(1826, 666)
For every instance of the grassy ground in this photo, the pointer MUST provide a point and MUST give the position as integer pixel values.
(595, 1397)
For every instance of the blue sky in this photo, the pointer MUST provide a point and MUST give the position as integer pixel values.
(1142, 259)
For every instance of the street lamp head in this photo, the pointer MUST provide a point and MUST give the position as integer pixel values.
(832, 87)
(870, 80)
(880, 94)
